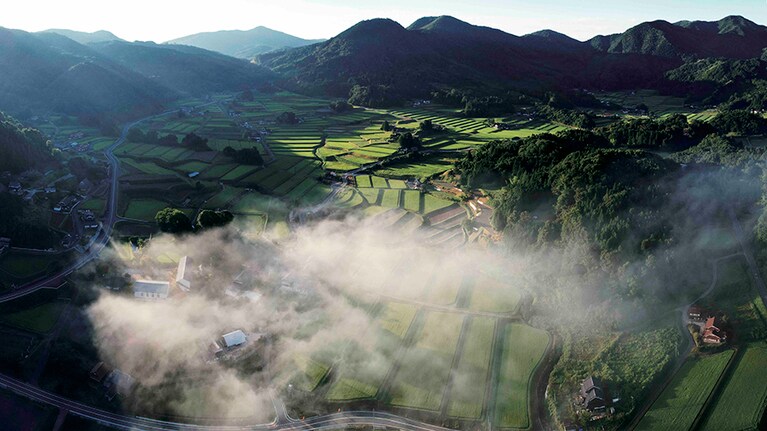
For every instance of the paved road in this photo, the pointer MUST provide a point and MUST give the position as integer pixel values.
(101, 238)
(341, 420)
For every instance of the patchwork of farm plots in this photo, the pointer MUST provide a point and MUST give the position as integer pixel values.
(727, 390)
(393, 193)
(475, 131)
(683, 399)
(434, 360)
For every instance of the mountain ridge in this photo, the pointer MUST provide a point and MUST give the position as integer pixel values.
(244, 44)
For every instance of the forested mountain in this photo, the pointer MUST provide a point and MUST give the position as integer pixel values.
(50, 72)
(380, 56)
(731, 37)
(243, 43)
(47, 71)
(21, 148)
(84, 37)
(184, 69)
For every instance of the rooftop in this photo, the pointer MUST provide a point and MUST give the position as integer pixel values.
(234, 338)
(151, 286)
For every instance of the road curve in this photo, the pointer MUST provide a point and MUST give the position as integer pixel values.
(339, 420)
(104, 233)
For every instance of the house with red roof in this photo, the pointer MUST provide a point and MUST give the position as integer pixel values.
(711, 334)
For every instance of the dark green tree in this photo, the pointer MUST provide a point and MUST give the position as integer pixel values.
(173, 220)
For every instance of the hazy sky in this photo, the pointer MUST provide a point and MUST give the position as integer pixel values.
(161, 20)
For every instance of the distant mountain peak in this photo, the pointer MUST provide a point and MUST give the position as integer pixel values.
(84, 37)
(443, 23)
(245, 44)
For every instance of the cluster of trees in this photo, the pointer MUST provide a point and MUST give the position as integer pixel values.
(249, 156)
(673, 132)
(721, 150)
(487, 106)
(408, 141)
(287, 117)
(340, 106)
(23, 225)
(572, 185)
(173, 220)
(191, 140)
(740, 122)
(374, 96)
(582, 120)
(22, 148)
(151, 137)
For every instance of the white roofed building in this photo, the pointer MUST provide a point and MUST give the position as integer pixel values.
(234, 339)
(183, 276)
(151, 289)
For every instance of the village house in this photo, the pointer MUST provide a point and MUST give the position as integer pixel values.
(151, 290)
(696, 313)
(228, 342)
(14, 187)
(99, 372)
(183, 274)
(592, 395)
(118, 383)
(711, 334)
(84, 186)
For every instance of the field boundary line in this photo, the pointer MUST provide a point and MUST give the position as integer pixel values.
(715, 392)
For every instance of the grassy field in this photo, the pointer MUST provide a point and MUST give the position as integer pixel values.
(362, 374)
(425, 367)
(682, 400)
(40, 318)
(24, 266)
(97, 205)
(396, 318)
(144, 209)
(310, 373)
(523, 349)
(467, 392)
(489, 294)
(741, 402)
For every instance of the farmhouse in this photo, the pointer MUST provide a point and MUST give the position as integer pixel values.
(234, 339)
(711, 333)
(99, 372)
(228, 342)
(118, 383)
(592, 394)
(151, 289)
(183, 274)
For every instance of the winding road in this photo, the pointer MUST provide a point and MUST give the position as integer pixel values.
(341, 420)
(102, 237)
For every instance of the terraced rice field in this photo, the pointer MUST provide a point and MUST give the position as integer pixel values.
(683, 399)
(425, 367)
(523, 349)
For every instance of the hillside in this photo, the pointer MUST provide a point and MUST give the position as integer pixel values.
(84, 37)
(243, 43)
(732, 37)
(22, 148)
(438, 52)
(47, 71)
(184, 69)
